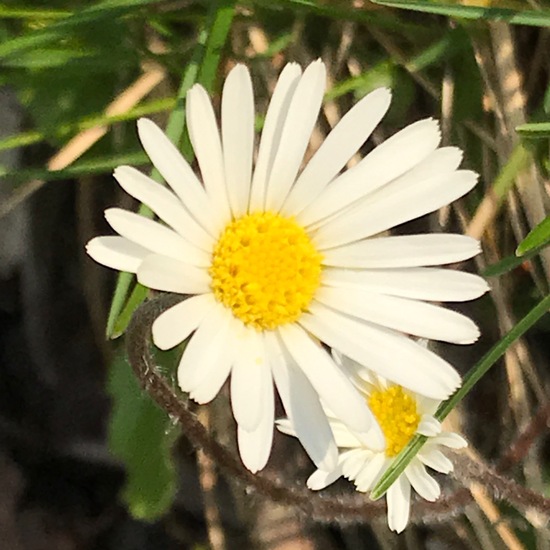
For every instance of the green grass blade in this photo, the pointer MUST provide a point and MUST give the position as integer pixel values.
(538, 237)
(452, 8)
(534, 130)
(202, 69)
(57, 30)
(470, 380)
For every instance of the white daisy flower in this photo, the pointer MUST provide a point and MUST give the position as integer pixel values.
(401, 414)
(277, 261)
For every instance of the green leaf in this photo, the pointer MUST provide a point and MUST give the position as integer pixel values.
(534, 130)
(141, 435)
(510, 12)
(538, 237)
(470, 380)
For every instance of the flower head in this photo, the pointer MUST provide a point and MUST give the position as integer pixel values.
(401, 414)
(276, 261)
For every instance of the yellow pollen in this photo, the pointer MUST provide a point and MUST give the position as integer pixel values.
(265, 269)
(397, 415)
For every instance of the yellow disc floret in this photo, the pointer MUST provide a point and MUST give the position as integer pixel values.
(396, 413)
(265, 269)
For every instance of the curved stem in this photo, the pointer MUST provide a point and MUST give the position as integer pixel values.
(329, 506)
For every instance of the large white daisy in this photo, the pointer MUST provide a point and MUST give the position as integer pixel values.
(277, 261)
(401, 414)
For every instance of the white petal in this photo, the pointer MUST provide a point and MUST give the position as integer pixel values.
(174, 325)
(399, 498)
(339, 146)
(205, 137)
(344, 437)
(271, 133)
(396, 156)
(370, 472)
(451, 440)
(210, 347)
(169, 275)
(408, 316)
(403, 251)
(238, 137)
(435, 459)
(155, 237)
(389, 354)
(285, 426)
(249, 376)
(303, 407)
(320, 479)
(299, 123)
(353, 462)
(255, 446)
(393, 205)
(176, 171)
(164, 203)
(329, 381)
(117, 253)
(421, 283)
(428, 426)
(422, 482)
(210, 386)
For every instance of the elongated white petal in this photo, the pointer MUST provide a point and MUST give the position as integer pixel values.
(205, 137)
(370, 472)
(271, 134)
(250, 374)
(165, 205)
(155, 237)
(420, 283)
(176, 171)
(394, 205)
(285, 426)
(169, 275)
(451, 440)
(404, 315)
(174, 325)
(210, 345)
(403, 251)
(320, 479)
(255, 446)
(238, 137)
(302, 406)
(211, 385)
(353, 462)
(428, 426)
(435, 459)
(302, 115)
(117, 253)
(329, 381)
(389, 354)
(410, 146)
(344, 437)
(422, 482)
(399, 498)
(339, 146)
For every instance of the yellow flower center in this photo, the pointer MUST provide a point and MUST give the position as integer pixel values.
(266, 269)
(397, 415)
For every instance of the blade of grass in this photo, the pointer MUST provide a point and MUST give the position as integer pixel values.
(202, 68)
(470, 380)
(35, 136)
(511, 16)
(56, 31)
(534, 130)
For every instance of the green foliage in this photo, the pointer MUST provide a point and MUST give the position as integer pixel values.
(537, 238)
(141, 435)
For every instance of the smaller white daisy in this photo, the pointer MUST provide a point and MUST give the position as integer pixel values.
(401, 414)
